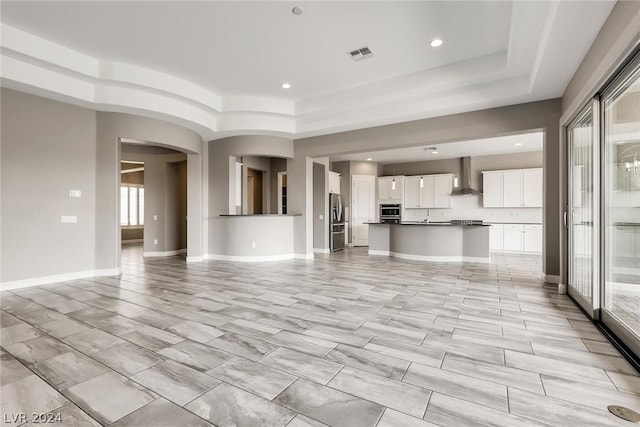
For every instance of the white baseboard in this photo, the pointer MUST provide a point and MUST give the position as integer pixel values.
(165, 253)
(44, 280)
(256, 258)
(430, 258)
(379, 253)
(198, 258)
(551, 278)
(303, 256)
(321, 251)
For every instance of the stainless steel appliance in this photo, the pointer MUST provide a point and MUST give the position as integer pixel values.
(336, 222)
(390, 213)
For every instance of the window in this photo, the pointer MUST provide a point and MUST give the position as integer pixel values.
(131, 205)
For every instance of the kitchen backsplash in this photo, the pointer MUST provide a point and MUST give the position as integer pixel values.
(470, 207)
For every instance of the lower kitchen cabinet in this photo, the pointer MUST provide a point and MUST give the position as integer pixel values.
(521, 238)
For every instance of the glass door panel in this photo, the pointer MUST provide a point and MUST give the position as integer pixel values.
(621, 200)
(581, 209)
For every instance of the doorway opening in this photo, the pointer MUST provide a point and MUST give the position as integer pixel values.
(254, 191)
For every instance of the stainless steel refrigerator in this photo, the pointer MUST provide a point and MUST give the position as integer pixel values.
(336, 222)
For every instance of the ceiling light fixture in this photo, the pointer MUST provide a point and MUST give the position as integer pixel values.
(297, 10)
(286, 86)
(518, 144)
(436, 42)
(434, 152)
(393, 184)
(421, 182)
(369, 159)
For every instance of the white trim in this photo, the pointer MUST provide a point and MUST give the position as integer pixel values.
(254, 258)
(165, 253)
(379, 253)
(303, 256)
(44, 280)
(551, 278)
(430, 258)
(198, 258)
(321, 250)
(505, 251)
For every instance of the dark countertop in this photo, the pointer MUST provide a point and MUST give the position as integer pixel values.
(245, 215)
(446, 224)
(515, 223)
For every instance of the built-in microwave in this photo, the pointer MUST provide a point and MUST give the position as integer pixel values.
(390, 213)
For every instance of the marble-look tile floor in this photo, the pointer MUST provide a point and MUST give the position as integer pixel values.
(346, 340)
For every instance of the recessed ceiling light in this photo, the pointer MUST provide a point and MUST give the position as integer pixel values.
(369, 159)
(518, 144)
(436, 42)
(297, 10)
(434, 152)
(286, 86)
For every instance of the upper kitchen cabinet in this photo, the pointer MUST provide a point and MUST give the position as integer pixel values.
(428, 191)
(391, 188)
(334, 182)
(512, 188)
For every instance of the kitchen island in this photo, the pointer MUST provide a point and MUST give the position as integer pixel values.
(435, 242)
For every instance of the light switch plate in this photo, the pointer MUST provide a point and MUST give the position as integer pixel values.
(155, 217)
(75, 193)
(68, 219)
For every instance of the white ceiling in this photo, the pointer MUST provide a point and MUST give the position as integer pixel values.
(521, 143)
(217, 67)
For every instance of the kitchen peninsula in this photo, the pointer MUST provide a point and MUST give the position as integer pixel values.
(435, 242)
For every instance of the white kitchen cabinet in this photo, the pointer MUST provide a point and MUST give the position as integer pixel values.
(412, 192)
(516, 238)
(512, 188)
(532, 238)
(391, 189)
(492, 189)
(513, 239)
(443, 184)
(532, 189)
(624, 238)
(496, 237)
(334, 182)
(435, 191)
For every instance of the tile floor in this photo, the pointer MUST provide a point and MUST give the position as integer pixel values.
(347, 340)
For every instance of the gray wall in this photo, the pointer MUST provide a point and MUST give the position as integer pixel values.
(320, 202)
(543, 115)
(617, 39)
(219, 177)
(47, 149)
(112, 127)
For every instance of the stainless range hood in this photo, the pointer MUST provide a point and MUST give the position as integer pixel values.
(464, 188)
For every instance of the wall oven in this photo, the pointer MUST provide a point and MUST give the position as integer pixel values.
(390, 213)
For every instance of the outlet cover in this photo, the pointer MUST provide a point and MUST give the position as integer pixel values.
(155, 241)
(253, 245)
(75, 193)
(68, 219)
(155, 217)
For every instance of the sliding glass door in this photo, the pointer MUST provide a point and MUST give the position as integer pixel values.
(582, 238)
(621, 206)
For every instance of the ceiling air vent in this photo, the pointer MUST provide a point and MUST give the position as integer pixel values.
(360, 54)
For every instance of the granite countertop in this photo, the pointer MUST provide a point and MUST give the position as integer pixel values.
(513, 222)
(435, 223)
(245, 215)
